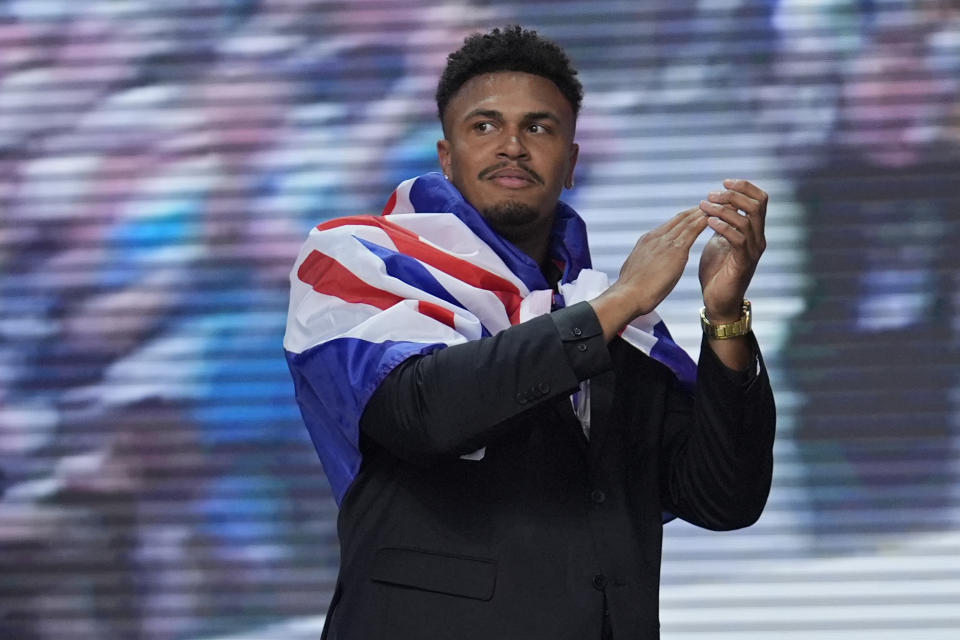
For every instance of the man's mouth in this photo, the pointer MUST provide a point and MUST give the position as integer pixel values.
(511, 177)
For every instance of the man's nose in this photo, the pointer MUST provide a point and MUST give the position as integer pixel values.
(513, 147)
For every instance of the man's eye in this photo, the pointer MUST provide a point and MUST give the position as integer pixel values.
(537, 128)
(483, 127)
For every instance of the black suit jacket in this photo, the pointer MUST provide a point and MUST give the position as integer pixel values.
(549, 531)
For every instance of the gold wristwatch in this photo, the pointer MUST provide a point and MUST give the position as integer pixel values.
(730, 329)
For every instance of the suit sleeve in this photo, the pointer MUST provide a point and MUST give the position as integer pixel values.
(456, 400)
(717, 448)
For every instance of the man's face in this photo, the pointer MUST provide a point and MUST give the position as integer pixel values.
(509, 149)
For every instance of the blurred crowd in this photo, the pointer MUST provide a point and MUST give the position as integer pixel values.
(874, 353)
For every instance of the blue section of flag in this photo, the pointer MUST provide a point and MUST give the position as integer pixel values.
(412, 271)
(671, 354)
(333, 382)
(409, 270)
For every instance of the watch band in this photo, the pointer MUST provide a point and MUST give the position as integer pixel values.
(730, 329)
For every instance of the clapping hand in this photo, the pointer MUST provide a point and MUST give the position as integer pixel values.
(737, 215)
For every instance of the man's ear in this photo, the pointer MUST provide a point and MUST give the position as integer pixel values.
(574, 154)
(443, 155)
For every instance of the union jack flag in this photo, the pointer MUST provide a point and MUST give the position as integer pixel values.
(368, 292)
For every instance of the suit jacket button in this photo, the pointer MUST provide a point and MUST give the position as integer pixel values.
(598, 496)
(577, 332)
(521, 398)
(582, 346)
(599, 582)
(544, 388)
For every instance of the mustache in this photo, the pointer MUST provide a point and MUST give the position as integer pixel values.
(507, 165)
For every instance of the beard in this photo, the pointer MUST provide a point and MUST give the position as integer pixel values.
(510, 218)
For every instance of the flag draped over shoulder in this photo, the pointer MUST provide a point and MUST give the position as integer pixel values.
(368, 292)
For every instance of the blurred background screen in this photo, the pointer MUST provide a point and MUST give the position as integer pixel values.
(161, 163)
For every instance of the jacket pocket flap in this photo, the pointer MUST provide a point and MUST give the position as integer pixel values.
(439, 572)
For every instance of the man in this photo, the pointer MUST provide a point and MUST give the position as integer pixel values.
(503, 431)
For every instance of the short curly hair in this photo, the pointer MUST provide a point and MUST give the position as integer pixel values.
(512, 49)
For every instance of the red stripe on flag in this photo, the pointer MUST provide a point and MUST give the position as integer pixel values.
(410, 244)
(329, 277)
(391, 203)
(437, 312)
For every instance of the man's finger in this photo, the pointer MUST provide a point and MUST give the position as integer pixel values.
(756, 210)
(747, 188)
(727, 212)
(678, 220)
(731, 218)
(678, 229)
(737, 200)
(734, 236)
(692, 224)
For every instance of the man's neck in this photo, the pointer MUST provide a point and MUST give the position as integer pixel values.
(536, 248)
(533, 240)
